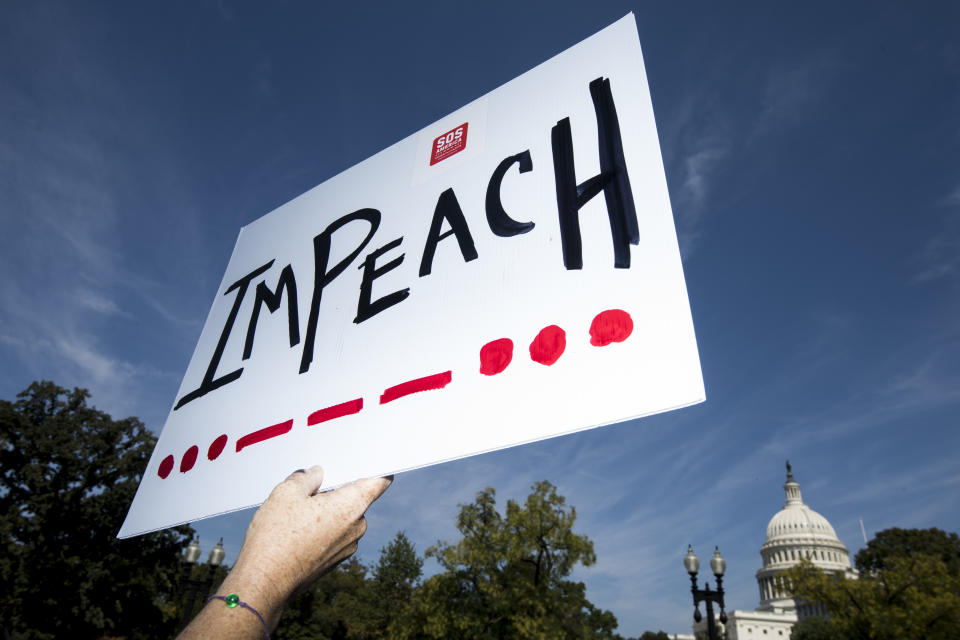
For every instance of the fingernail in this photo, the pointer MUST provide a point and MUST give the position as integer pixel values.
(300, 471)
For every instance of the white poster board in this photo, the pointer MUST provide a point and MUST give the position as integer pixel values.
(458, 292)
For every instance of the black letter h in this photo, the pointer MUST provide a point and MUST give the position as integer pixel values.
(612, 180)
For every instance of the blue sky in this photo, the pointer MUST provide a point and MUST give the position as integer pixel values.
(813, 158)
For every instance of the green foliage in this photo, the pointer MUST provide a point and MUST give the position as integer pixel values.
(908, 597)
(331, 609)
(652, 635)
(67, 475)
(813, 628)
(904, 543)
(395, 579)
(506, 577)
(347, 603)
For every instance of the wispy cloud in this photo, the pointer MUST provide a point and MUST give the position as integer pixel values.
(932, 380)
(697, 173)
(934, 475)
(55, 340)
(66, 298)
(99, 303)
(697, 137)
(794, 89)
(224, 10)
(702, 134)
(263, 77)
(939, 259)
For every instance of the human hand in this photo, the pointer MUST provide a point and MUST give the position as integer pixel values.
(297, 535)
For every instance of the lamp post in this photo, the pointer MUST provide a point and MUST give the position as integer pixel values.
(202, 583)
(718, 565)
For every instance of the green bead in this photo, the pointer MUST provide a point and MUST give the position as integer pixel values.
(232, 600)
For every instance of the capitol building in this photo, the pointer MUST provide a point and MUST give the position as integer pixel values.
(793, 533)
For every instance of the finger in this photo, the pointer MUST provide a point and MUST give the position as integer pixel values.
(362, 493)
(307, 481)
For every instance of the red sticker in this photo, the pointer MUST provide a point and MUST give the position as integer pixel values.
(448, 144)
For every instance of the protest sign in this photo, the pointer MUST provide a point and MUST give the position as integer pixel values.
(507, 274)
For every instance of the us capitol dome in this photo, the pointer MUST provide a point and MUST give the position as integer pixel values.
(793, 533)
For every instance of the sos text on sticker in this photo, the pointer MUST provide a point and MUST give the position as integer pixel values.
(449, 143)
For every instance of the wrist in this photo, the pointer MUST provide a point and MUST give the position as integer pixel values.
(259, 590)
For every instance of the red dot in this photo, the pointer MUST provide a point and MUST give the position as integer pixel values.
(612, 325)
(549, 344)
(189, 459)
(495, 356)
(216, 447)
(166, 466)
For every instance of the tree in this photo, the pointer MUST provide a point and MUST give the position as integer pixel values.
(395, 579)
(349, 604)
(506, 577)
(904, 543)
(650, 635)
(910, 597)
(813, 628)
(329, 610)
(67, 475)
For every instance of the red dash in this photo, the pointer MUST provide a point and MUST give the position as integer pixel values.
(166, 466)
(495, 356)
(189, 459)
(549, 345)
(429, 383)
(336, 411)
(612, 325)
(216, 447)
(264, 434)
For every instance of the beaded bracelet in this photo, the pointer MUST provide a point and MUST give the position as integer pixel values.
(233, 600)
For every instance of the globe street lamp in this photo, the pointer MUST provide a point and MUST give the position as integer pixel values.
(202, 583)
(718, 565)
